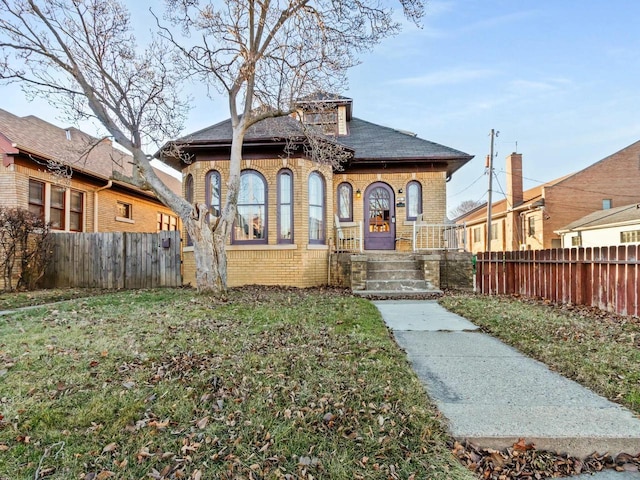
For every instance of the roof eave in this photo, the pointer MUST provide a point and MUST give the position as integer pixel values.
(88, 173)
(453, 163)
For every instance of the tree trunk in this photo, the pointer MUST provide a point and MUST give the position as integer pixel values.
(209, 251)
(209, 234)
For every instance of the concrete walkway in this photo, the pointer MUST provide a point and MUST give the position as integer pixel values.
(492, 395)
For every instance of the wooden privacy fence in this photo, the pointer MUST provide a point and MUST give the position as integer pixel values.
(114, 260)
(603, 277)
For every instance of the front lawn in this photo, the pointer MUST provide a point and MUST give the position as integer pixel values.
(273, 383)
(12, 300)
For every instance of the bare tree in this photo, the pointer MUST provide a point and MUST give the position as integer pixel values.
(264, 55)
(464, 207)
(82, 56)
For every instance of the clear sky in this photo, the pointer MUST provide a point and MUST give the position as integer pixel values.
(559, 79)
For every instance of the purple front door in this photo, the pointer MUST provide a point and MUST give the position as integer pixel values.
(379, 217)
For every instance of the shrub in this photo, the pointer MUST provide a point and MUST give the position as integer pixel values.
(24, 246)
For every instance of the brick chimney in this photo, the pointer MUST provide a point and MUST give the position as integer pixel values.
(514, 180)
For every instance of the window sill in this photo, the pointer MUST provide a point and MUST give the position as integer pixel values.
(317, 246)
(125, 220)
(284, 246)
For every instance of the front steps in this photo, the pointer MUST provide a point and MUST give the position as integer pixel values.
(397, 275)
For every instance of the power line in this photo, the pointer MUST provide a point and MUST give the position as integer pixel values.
(467, 188)
(502, 190)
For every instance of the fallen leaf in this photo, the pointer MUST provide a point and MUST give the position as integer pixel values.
(46, 471)
(522, 446)
(202, 423)
(110, 448)
(159, 425)
(105, 474)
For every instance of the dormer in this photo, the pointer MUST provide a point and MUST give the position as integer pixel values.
(330, 113)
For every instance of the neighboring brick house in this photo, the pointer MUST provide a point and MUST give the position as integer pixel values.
(65, 175)
(529, 220)
(287, 204)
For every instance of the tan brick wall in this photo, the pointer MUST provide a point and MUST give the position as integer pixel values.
(144, 213)
(16, 178)
(188, 266)
(294, 265)
(303, 265)
(9, 196)
(434, 198)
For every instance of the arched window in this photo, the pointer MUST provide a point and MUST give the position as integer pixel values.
(285, 206)
(212, 192)
(414, 200)
(345, 202)
(316, 208)
(188, 188)
(188, 195)
(251, 218)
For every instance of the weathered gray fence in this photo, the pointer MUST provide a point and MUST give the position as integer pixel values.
(114, 260)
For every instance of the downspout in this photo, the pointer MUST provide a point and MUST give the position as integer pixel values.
(95, 204)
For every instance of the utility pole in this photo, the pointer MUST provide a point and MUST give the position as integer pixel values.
(493, 134)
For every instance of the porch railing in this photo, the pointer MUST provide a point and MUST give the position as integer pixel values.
(348, 236)
(429, 236)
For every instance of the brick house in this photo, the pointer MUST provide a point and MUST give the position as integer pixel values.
(530, 219)
(618, 226)
(65, 175)
(289, 205)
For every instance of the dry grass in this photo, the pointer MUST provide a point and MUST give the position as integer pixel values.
(275, 383)
(599, 350)
(12, 300)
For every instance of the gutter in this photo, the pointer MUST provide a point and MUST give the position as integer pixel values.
(95, 203)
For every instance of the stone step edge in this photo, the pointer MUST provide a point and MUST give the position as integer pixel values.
(381, 294)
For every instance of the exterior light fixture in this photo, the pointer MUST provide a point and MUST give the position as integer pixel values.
(358, 193)
(400, 190)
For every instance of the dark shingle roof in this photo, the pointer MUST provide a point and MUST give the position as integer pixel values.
(268, 129)
(372, 144)
(371, 141)
(601, 218)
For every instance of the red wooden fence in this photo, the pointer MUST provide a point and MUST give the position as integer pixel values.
(603, 277)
